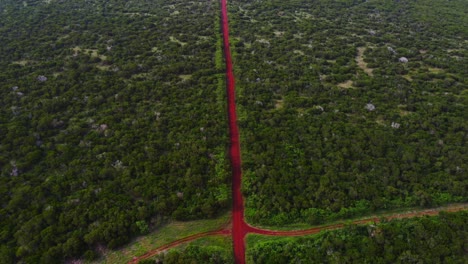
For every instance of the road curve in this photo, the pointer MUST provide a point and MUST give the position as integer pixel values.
(250, 229)
(154, 252)
(375, 219)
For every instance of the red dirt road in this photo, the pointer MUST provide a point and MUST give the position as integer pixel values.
(250, 229)
(239, 227)
(176, 243)
(314, 230)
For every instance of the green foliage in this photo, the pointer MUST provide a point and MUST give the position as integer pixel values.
(197, 254)
(147, 261)
(305, 73)
(128, 128)
(219, 54)
(143, 227)
(438, 239)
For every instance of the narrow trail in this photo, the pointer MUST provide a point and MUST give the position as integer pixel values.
(374, 219)
(156, 251)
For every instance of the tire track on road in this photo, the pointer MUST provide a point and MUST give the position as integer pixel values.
(156, 251)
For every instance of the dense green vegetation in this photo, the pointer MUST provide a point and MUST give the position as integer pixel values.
(347, 107)
(194, 255)
(166, 234)
(214, 250)
(438, 239)
(112, 118)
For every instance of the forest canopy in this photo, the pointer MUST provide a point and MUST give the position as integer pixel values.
(435, 239)
(347, 107)
(112, 119)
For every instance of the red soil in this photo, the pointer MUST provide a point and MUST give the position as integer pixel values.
(435, 211)
(176, 243)
(239, 227)
(250, 229)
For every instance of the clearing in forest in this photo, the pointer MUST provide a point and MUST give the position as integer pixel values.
(279, 104)
(173, 39)
(91, 52)
(185, 77)
(360, 61)
(21, 62)
(346, 85)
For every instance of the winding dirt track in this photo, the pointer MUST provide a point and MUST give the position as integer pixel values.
(419, 213)
(154, 252)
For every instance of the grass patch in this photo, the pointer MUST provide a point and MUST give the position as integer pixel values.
(185, 77)
(161, 236)
(224, 242)
(361, 63)
(93, 53)
(435, 70)
(22, 62)
(279, 104)
(346, 85)
(173, 39)
(103, 67)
